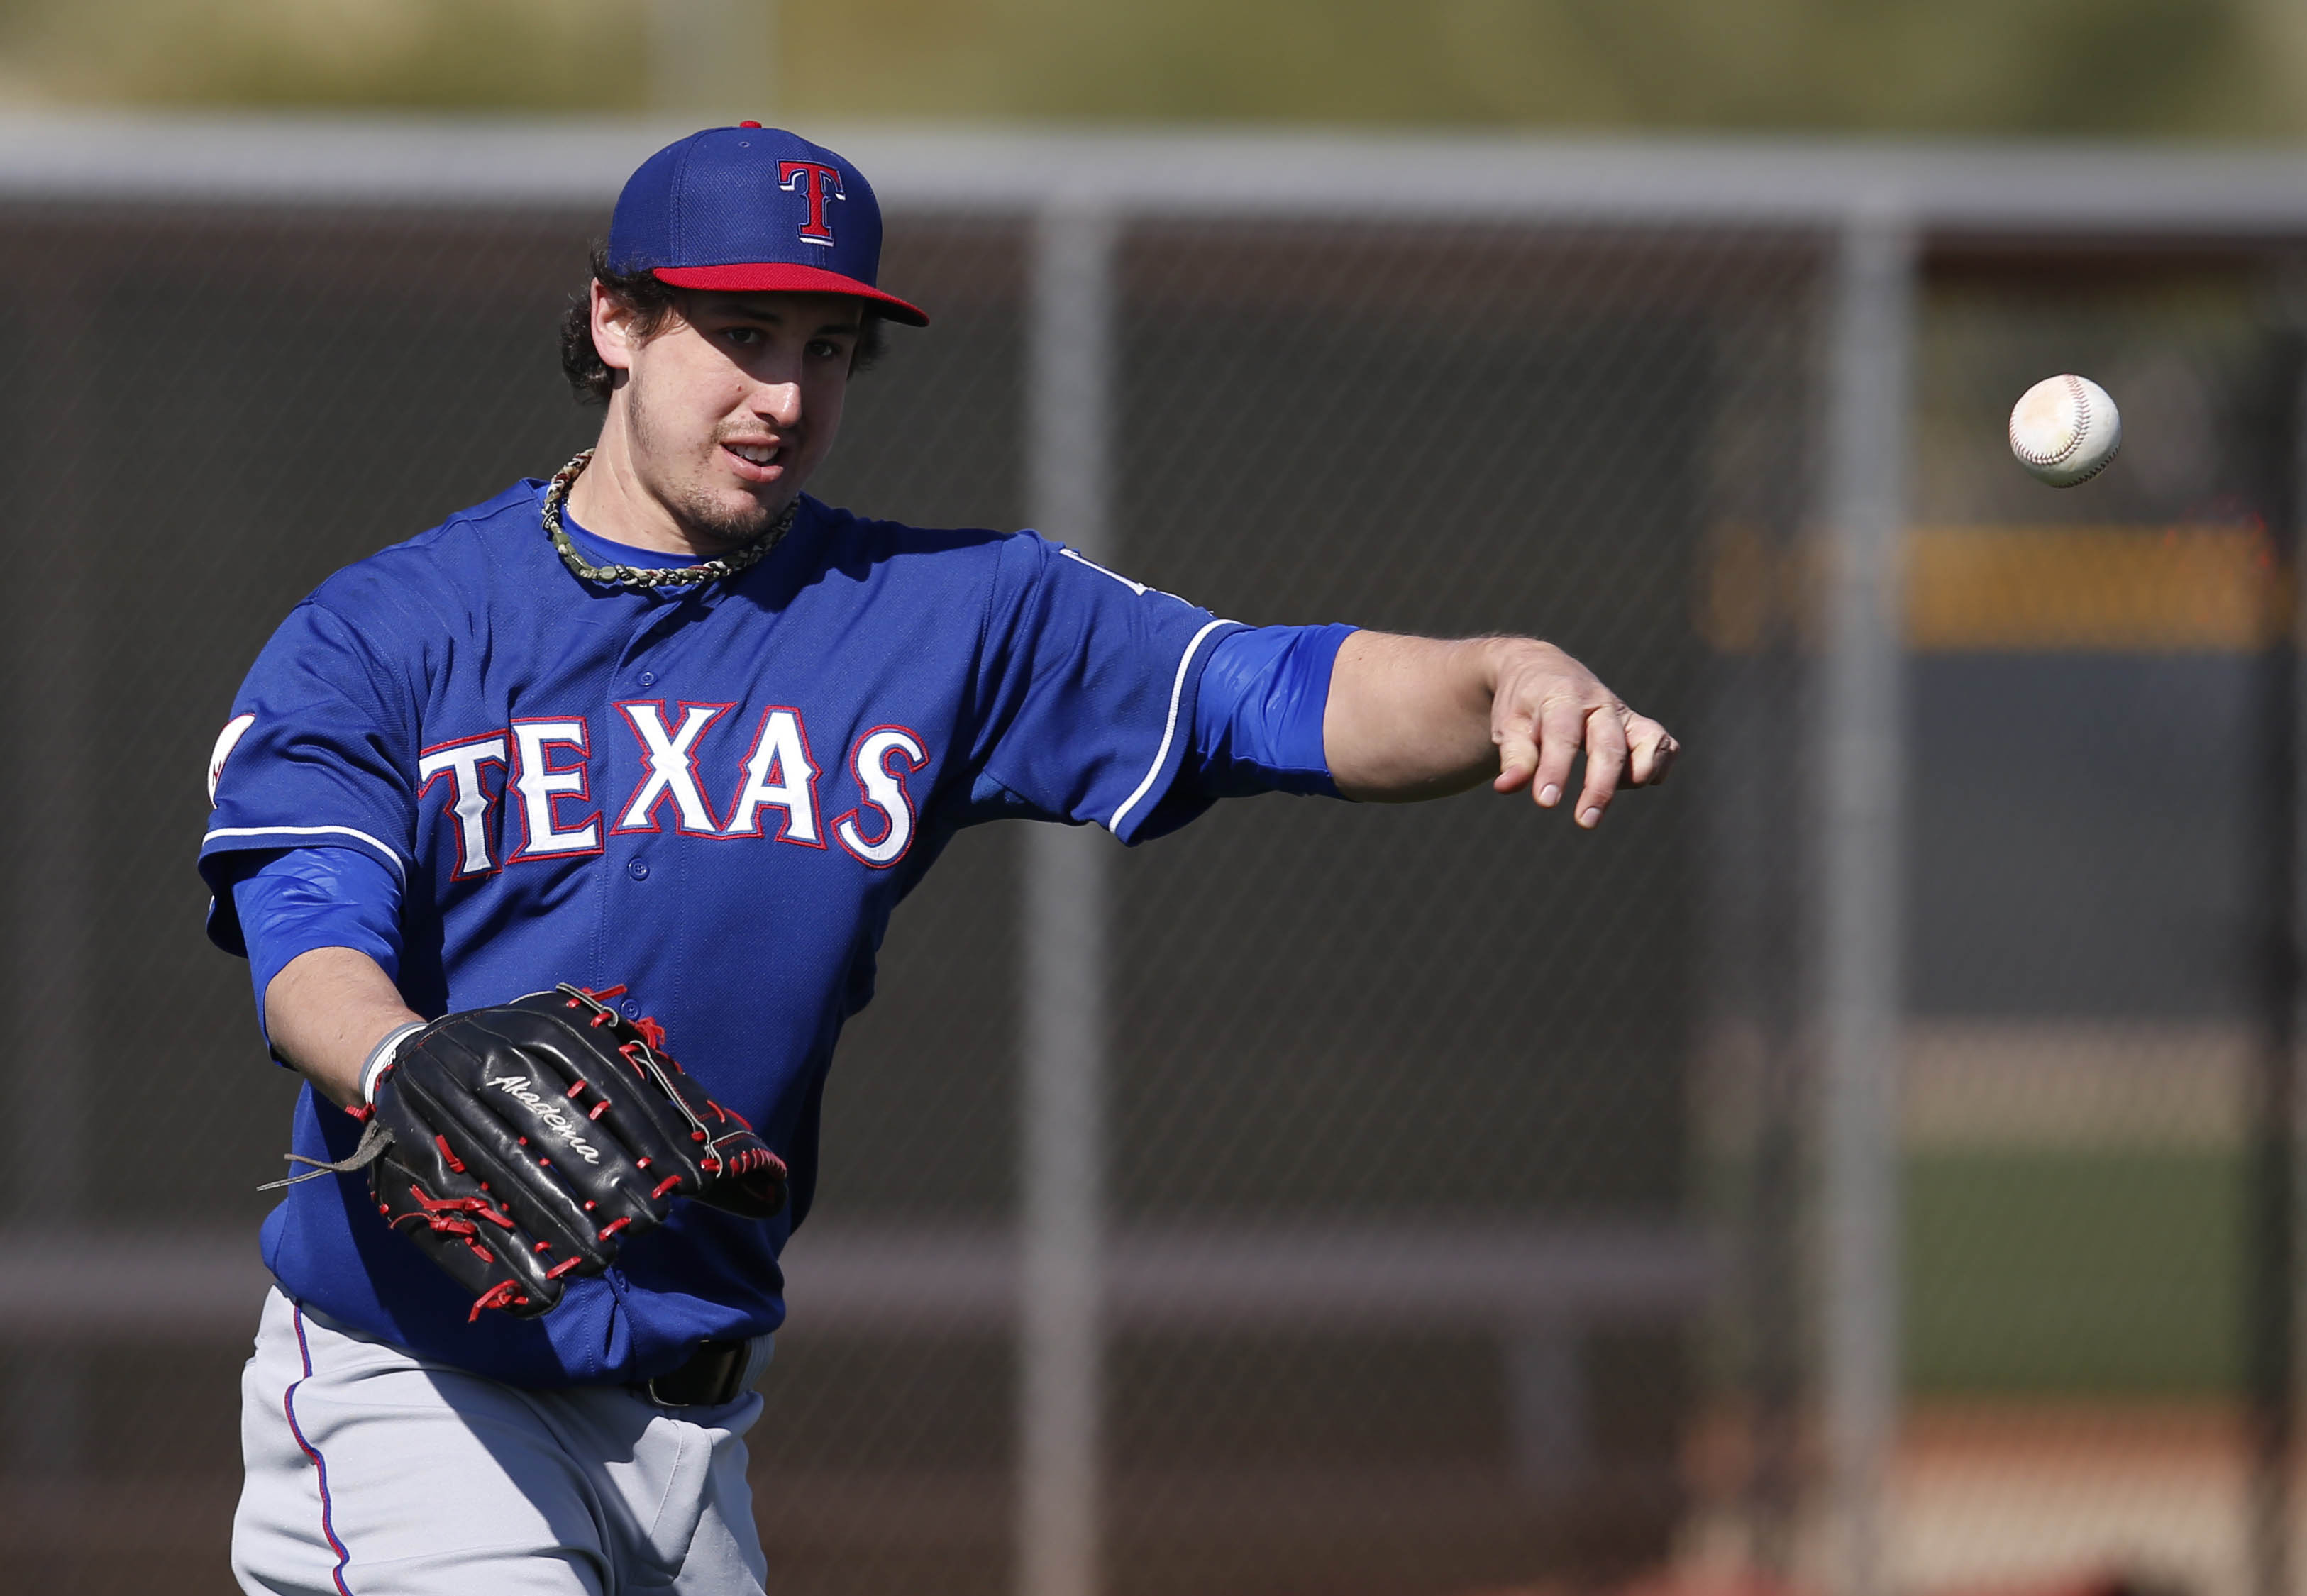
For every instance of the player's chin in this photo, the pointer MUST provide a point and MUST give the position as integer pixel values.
(737, 514)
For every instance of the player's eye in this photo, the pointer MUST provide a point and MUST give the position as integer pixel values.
(825, 348)
(743, 336)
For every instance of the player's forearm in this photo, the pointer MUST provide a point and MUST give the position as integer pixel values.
(1410, 718)
(326, 1011)
(1418, 718)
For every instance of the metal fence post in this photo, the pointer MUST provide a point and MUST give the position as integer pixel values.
(1062, 1193)
(2273, 1186)
(1860, 906)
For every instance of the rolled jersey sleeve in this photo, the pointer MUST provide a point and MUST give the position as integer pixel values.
(323, 756)
(292, 903)
(1257, 719)
(1086, 685)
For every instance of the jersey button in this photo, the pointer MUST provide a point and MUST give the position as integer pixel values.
(632, 1008)
(648, 678)
(638, 870)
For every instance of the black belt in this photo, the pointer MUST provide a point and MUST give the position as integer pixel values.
(714, 1374)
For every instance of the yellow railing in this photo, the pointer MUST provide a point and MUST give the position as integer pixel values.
(2117, 589)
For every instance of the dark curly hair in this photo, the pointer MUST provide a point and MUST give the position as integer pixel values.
(651, 303)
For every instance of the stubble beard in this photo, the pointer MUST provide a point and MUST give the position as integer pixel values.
(714, 526)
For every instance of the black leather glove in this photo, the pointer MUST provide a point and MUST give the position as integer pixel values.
(517, 1145)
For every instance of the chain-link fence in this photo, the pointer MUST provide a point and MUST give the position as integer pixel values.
(1326, 1199)
(2103, 805)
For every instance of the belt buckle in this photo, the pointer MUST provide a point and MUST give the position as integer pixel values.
(727, 1380)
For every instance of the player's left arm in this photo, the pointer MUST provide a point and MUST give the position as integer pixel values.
(1418, 718)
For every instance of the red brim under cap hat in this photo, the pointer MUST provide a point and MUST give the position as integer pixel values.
(752, 209)
(773, 278)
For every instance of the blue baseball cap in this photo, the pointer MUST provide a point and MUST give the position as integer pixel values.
(749, 210)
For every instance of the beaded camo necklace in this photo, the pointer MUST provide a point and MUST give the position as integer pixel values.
(556, 491)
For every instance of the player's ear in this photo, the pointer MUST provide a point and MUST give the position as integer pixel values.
(871, 344)
(616, 329)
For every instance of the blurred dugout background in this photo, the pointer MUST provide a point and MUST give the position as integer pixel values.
(1462, 1175)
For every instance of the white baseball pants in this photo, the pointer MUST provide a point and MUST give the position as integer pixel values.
(372, 1473)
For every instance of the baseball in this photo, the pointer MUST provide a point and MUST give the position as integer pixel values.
(2065, 429)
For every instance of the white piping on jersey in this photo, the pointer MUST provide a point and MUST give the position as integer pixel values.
(390, 857)
(1170, 729)
(1139, 589)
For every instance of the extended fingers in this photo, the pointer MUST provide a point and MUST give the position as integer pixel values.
(1651, 751)
(1606, 762)
(1517, 743)
(1561, 730)
(1547, 710)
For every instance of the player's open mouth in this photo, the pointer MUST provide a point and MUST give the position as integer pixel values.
(756, 462)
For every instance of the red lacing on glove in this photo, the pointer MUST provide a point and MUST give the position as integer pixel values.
(751, 1160)
(651, 1032)
(505, 1293)
(653, 1036)
(601, 998)
(437, 1209)
(463, 1229)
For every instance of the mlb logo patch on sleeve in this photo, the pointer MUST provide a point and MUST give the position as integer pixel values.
(227, 741)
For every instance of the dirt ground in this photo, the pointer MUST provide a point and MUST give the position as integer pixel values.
(2013, 1495)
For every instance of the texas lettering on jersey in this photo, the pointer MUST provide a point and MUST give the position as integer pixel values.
(527, 791)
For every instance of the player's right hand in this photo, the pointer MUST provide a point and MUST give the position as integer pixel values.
(1547, 709)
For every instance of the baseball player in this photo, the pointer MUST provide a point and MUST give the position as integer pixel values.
(629, 767)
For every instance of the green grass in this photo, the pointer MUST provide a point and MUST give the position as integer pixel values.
(2067, 1272)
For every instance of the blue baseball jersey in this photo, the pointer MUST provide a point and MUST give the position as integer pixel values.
(714, 798)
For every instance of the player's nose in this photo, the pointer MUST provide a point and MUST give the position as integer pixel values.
(777, 403)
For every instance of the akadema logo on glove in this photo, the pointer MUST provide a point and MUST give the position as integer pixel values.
(548, 1114)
